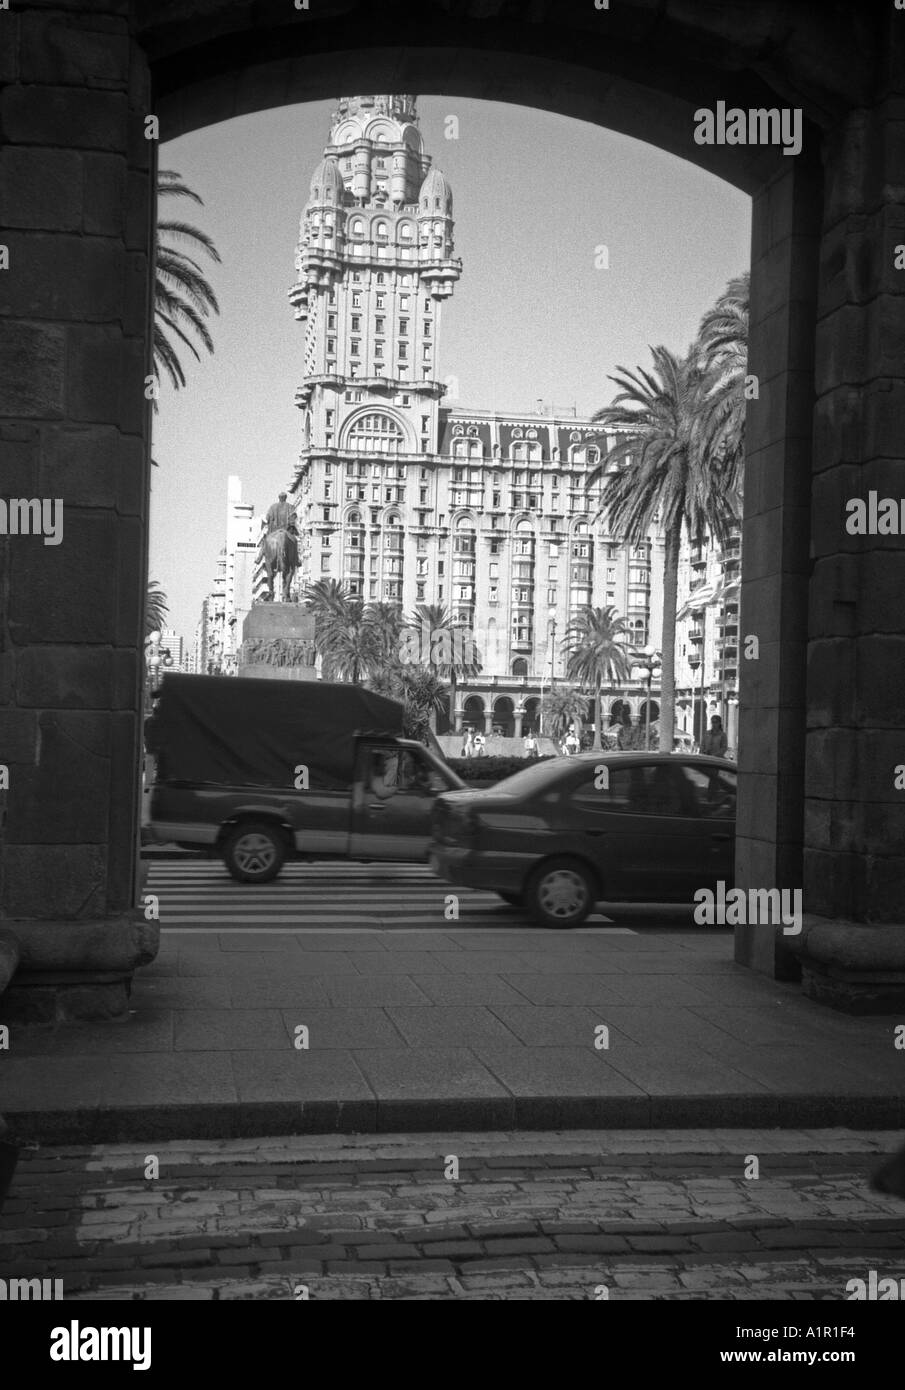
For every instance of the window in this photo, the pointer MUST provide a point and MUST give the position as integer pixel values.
(331, 322)
(403, 350)
(356, 300)
(331, 345)
(380, 325)
(356, 323)
(375, 433)
(427, 328)
(714, 790)
(381, 300)
(355, 347)
(551, 596)
(646, 789)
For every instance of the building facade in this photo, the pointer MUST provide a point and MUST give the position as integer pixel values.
(485, 515)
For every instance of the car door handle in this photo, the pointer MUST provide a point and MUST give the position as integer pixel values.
(379, 806)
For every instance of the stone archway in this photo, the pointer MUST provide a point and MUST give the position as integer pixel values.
(78, 175)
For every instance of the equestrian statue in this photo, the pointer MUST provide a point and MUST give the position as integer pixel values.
(279, 546)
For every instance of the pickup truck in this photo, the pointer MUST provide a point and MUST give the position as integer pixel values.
(256, 771)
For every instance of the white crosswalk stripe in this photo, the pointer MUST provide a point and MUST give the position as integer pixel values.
(199, 895)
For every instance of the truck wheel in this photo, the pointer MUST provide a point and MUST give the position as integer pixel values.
(254, 852)
(560, 893)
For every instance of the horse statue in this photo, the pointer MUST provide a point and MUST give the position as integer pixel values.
(279, 547)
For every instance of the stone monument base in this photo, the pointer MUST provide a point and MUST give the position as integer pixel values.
(278, 622)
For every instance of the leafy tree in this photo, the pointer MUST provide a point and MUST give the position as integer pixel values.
(723, 343)
(596, 654)
(156, 608)
(183, 297)
(655, 466)
(560, 708)
(453, 655)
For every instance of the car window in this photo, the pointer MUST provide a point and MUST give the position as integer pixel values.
(714, 790)
(643, 789)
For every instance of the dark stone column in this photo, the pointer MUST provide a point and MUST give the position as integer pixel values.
(853, 948)
(774, 606)
(76, 181)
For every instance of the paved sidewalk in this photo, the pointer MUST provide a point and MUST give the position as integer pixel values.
(623, 1215)
(422, 1030)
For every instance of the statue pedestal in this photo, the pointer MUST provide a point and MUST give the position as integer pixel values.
(275, 625)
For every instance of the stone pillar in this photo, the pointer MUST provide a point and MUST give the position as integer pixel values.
(76, 182)
(853, 945)
(774, 595)
(488, 722)
(518, 717)
(457, 724)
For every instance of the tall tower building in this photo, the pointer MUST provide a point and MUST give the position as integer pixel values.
(375, 263)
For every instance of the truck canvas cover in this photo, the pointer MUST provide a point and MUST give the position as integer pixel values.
(245, 732)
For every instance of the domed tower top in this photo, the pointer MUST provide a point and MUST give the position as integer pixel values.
(401, 108)
(326, 184)
(435, 195)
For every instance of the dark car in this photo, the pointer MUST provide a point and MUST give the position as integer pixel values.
(568, 833)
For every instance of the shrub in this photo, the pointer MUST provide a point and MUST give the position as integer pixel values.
(486, 771)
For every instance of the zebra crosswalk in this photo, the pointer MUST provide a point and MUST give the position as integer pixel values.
(199, 895)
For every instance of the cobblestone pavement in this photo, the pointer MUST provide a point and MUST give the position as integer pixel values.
(579, 1215)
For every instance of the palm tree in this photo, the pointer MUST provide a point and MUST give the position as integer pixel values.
(156, 608)
(420, 691)
(456, 657)
(596, 654)
(723, 339)
(660, 468)
(332, 607)
(183, 298)
(561, 708)
(386, 623)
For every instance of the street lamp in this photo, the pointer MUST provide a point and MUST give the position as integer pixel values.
(551, 639)
(645, 662)
(701, 660)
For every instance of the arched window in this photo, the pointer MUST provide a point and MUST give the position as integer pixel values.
(358, 227)
(520, 667)
(406, 231)
(468, 449)
(376, 434)
(526, 452)
(381, 229)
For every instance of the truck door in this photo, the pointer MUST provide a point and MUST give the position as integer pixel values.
(392, 801)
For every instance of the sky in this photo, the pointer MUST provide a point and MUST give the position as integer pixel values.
(535, 314)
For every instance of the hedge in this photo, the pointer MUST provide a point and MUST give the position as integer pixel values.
(489, 769)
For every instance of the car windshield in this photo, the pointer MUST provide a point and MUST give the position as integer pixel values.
(536, 778)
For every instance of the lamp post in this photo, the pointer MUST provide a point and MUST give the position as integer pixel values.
(551, 638)
(646, 661)
(693, 662)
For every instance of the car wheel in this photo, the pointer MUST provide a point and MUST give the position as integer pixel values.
(254, 852)
(513, 899)
(561, 893)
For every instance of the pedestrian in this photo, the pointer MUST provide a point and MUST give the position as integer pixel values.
(530, 744)
(468, 745)
(572, 741)
(479, 749)
(715, 741)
